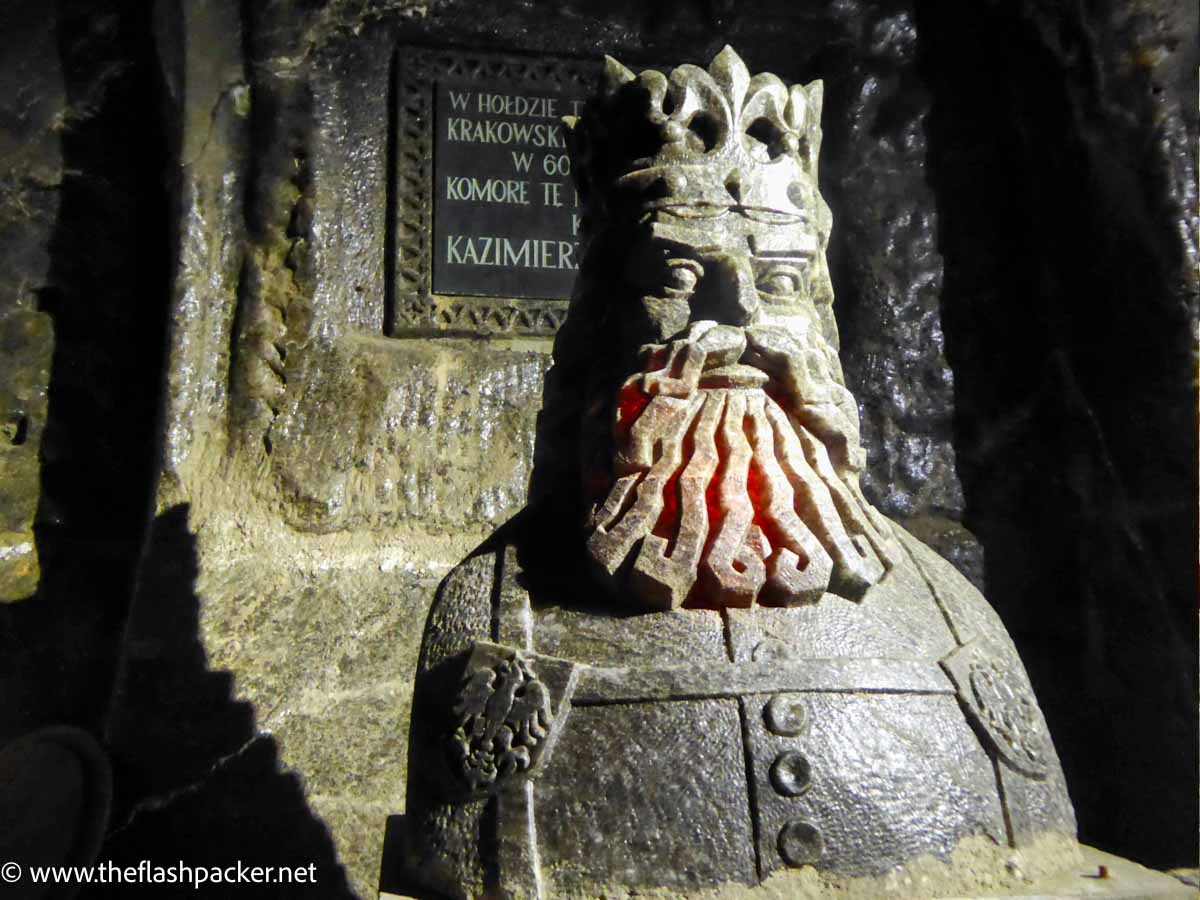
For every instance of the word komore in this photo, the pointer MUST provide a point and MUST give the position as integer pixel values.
(530, 253)
(490, 190)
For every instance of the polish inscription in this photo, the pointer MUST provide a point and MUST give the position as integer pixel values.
(506, 214)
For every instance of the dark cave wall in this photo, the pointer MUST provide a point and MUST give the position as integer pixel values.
(85, 241)
(1014, 258)
(1069, 310)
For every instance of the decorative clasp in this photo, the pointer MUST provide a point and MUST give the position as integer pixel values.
(997, 694)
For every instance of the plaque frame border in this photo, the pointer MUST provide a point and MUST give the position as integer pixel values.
(413, 309)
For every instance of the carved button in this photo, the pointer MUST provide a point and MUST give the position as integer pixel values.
(791, 774)
(800, 844)
(785, 715)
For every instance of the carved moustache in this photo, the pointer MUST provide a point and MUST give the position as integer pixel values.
(736, 476)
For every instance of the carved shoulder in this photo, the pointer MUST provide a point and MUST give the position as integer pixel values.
(461, 612)
(970, 614)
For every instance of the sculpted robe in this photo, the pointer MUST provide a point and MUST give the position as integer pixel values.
(692, 748)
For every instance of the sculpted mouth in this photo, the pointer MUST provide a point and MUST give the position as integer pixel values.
(709, 357)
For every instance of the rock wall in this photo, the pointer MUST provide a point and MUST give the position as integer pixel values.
(85, 225)
(1014, 262)
(30, 173)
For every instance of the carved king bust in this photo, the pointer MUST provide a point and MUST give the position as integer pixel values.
(700, 656)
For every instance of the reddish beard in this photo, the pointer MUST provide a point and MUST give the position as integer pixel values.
(723, 496)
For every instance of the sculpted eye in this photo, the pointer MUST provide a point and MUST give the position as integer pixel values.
(781, 283)
(682, 276)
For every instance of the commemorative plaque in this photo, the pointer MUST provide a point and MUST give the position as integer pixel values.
(505, 213)
(486, 218)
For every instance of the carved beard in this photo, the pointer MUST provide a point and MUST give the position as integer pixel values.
(736, 476)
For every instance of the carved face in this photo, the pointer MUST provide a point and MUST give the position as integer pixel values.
(735, 446)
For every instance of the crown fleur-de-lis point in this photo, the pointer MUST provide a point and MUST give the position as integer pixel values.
(796, 114)
(728, 71)
(816, 98)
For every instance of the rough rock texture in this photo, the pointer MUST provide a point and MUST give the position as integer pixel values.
(976, 868)
(886, 226)
(30, 172)
(1070, 308)
(27, 340)
(81, 319)
(352, 449)
(1014, 199)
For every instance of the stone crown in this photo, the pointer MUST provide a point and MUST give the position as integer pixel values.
(702, 143)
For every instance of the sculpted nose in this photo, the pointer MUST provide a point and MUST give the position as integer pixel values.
(728, 294)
